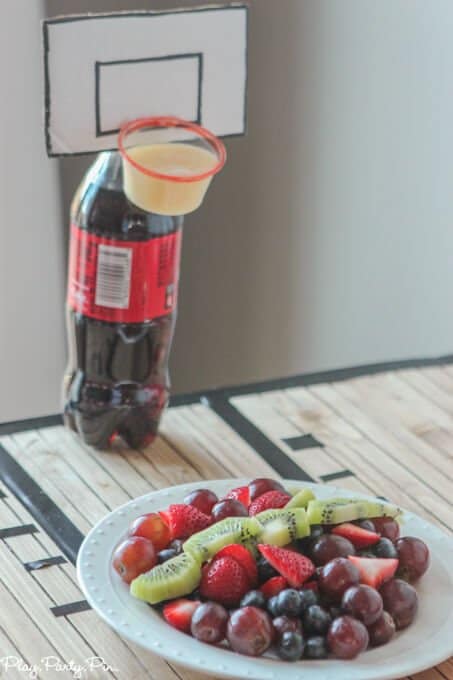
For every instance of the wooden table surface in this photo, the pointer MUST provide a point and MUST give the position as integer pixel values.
(383, 430)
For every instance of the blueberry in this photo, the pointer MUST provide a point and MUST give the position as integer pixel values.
(385, 548)
(316, 531)
(272, 607)
(316, 648)
(290, 646)
(367, 525)
(254, 598)
(166, 554)
(176, 545)
(308, 597)
(289, 602)
(366, 553)
(265, 570)
(316, 620)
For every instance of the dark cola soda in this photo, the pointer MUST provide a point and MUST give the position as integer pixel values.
(121, 310)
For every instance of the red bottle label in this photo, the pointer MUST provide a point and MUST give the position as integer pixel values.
(123, 281)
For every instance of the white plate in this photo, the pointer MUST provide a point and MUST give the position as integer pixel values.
(428, 641)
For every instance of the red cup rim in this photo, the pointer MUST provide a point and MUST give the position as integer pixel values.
(172, 121)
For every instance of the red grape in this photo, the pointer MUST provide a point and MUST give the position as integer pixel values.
(347, 637)
(363, 603)
(387, 527)
(382, 630)
(260, 485)
(400, 601)
(228, 508)
(329, 546)
(209, 622)
(283, 624)
(202, 499)
(413, 555)
(337, 576)
(133, 557)
(152, 527)
(250, 631)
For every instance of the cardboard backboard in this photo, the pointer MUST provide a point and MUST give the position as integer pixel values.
(104, 69)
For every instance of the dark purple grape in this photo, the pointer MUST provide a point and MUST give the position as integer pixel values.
(316, 620)
(413, 555)
(329, 546)
(400, 601)
(261, 485)
(387, 527)
(347, 637)
(385, 549)
(363, 603)
(316, 648)
(202, 499)
(209, 622)
(337, 576)
(250, 631)
(284, 624)
(382, 630)
(290, 646)
(228, 508)
(254, 598)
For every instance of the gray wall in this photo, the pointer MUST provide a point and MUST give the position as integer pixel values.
(327, 240)
(32, 351)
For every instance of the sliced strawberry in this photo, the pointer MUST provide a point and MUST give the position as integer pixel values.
(241, 494)
(269, 500)
(225, 581)
(273, 586)
(242, 555)
(374, 571)
(360, 538)
(178, 613)
(295, 568)
(184, 520)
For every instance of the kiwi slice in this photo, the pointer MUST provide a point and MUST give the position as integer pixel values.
(280, 527)
(205, 544)
(338, 510)
(174, 578)
(301, 498)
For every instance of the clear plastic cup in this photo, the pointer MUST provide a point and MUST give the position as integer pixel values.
(168, 163)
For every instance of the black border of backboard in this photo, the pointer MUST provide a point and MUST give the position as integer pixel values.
(167, 57)
(77, 17)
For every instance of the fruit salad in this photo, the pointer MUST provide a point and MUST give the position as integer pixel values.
(265, 568)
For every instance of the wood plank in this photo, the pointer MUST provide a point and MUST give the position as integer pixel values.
(394, 458)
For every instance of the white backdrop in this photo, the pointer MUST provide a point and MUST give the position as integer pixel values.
(327, 240)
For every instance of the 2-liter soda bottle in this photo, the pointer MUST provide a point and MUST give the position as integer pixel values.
(125, 245)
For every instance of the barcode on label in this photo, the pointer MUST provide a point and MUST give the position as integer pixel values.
(113, 277)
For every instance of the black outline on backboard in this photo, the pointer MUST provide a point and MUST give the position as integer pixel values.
(167, 57)
(73, 18)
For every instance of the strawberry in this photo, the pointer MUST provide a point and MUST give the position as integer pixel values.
(244, 558)
(311, 585)
(241, 494)
(184, 520)
(225, 581)
(374, 571)
(273, 586)
(360, 538)
(269, 500)
(178, 613)
(295, 568)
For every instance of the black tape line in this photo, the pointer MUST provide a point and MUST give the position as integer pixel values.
(304, 441)
(44, 562)
(20, 530)
(337, 475)
(70, 608)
